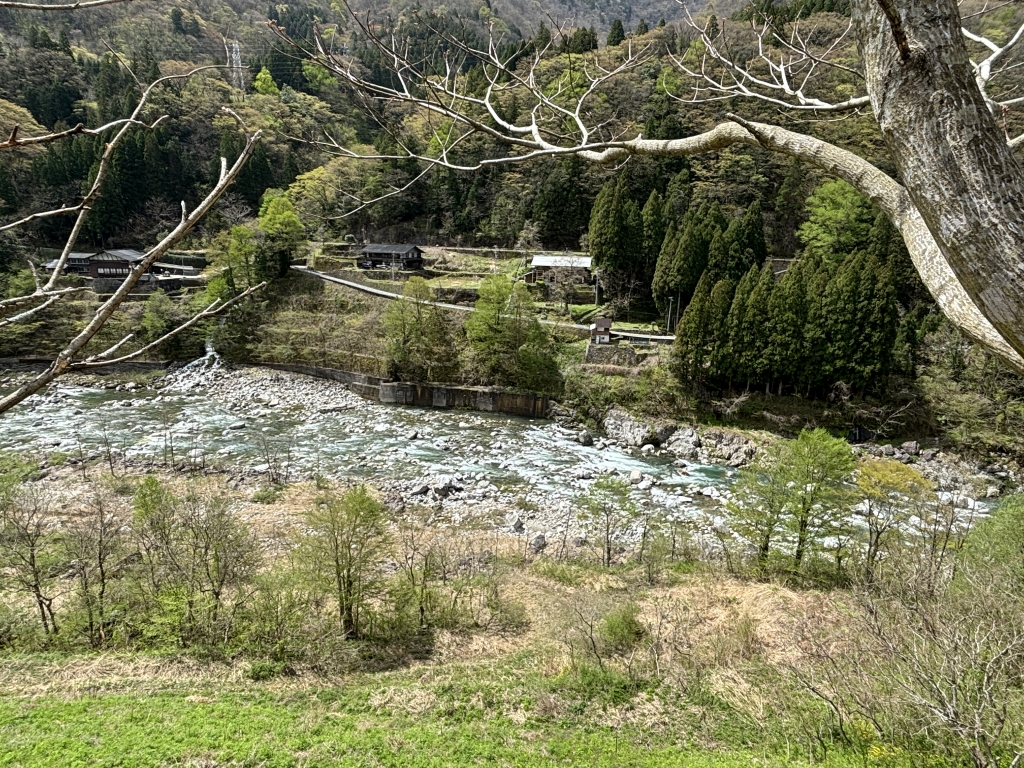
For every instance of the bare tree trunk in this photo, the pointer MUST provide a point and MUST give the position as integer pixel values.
(952, 156)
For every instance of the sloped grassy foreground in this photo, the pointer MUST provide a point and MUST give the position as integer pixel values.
(496, 714)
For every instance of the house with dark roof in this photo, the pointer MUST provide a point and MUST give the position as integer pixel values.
(391, 256)
(113, 263)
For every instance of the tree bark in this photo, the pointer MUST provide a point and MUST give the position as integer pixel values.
(952, 156)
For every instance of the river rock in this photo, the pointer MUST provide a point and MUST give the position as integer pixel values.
(538, 544)
(645, 485)
(620, 425)
(445, 485)
(911, 448)
(585, 438)
(237, 425)
(888, 450)
(636, 477)
(421, 489)
(516, 524)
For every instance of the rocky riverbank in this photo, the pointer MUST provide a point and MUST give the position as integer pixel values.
(736, 448)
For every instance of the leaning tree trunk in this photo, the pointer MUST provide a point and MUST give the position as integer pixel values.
(951, 154)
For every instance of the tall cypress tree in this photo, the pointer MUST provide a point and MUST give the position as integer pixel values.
(678, 194)
(787, 312)
(789, 210)
(753, 232)
(812, 376)
(733, 366)
(754, 334)
(603, 234)
(617, 33)
(689, 343)
(663, 284)
(654, 228)
(840, 318)
(716, 329)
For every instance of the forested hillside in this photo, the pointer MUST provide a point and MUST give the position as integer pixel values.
(776, 278)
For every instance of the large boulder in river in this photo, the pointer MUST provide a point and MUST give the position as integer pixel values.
(620, 425)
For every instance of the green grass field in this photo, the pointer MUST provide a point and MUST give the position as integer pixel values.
(328, 726)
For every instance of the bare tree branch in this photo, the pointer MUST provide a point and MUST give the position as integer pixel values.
(66, 358)
(215, 309)
(720, 76)
(77, 6)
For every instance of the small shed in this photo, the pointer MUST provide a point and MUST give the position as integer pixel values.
(579, 266)
(601, 331)
(390, 256)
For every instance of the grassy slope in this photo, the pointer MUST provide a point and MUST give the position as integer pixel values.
(474, 717)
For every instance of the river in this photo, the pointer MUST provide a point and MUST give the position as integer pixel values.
(259, 422)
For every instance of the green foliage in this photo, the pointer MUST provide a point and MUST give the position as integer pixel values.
(346, 541)
(795, 491)
(507, 346)
(839, 219)
(420, 341)
(976, 400)
(607, 512)
(621, 629)
(264, 83)
(616, 34)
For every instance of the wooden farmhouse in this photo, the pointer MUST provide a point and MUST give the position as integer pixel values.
(391, 257)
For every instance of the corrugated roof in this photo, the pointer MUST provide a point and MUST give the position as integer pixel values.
(575, 262)
(404, 250)
(125, 254)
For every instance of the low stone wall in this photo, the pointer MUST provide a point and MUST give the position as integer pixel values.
(610, 354)
(486, 399)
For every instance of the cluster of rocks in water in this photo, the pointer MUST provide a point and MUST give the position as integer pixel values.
(258, 392)
(662, 437)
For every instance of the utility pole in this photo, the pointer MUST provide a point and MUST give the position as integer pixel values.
(668, 317)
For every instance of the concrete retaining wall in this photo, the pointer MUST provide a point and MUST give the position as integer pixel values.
(485, 399)
(488, 399)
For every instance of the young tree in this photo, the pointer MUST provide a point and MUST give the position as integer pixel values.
(838, 221)
(29, 550)
(888, 493)
(507, 346)
(758, 504)
(607, 512)
(419, 339)
(347, 538)
(817, 466)
(95, 544)
(797, 488)
(617, 33)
